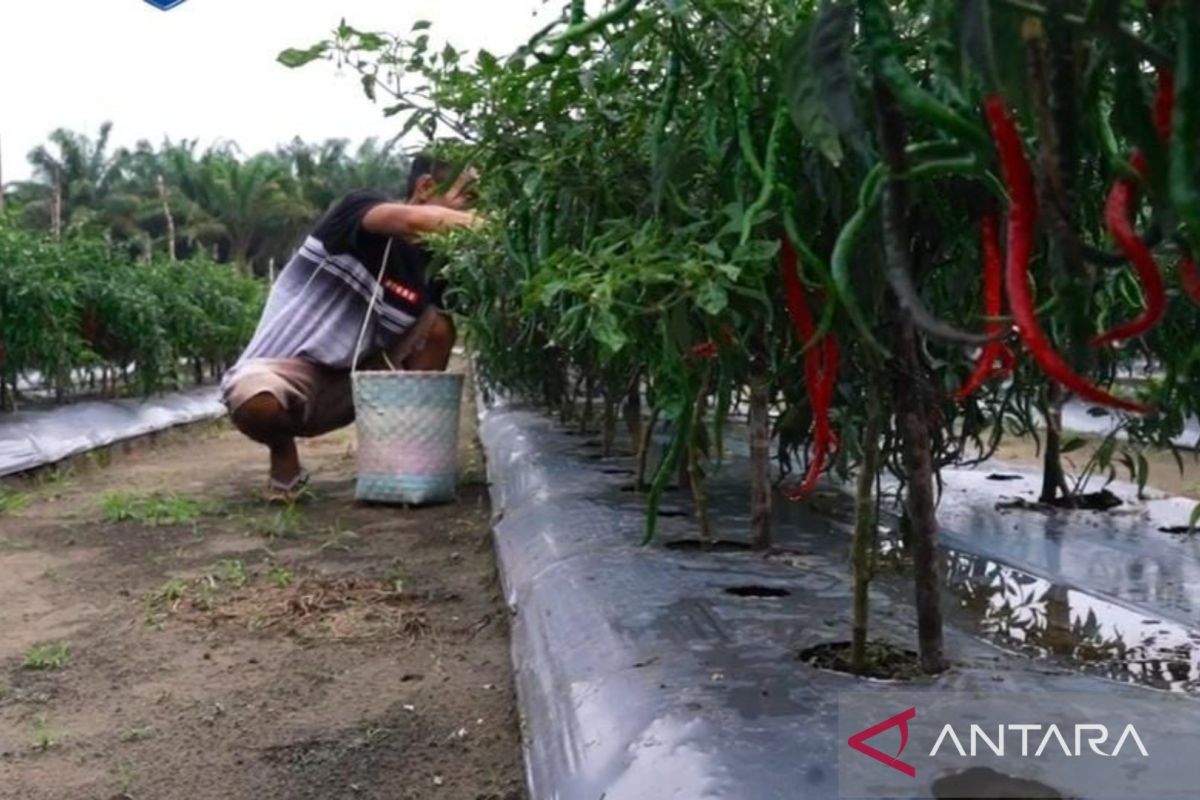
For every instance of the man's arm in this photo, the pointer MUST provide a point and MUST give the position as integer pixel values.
(412, 221)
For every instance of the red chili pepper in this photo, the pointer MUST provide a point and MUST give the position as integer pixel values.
(993, 306)
(706, 350)
(820, 371)
(1022, 219)
(1118, 218)
(1118, 213)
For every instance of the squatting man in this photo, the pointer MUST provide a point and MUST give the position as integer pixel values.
(293, 379)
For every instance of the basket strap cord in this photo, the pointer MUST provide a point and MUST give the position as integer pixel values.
(362, 334)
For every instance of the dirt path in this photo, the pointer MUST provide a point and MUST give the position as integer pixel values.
(200, 645)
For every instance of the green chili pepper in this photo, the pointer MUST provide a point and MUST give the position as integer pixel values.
(583, 29)
(886, 64)
(840, 261)
(545, 231)
(662, 119)
(742, 114)
(768, 179)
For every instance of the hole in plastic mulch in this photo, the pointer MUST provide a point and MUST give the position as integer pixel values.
(999, 476)
(671, 513)
(631, 489)
(718, 546)
(757, 591)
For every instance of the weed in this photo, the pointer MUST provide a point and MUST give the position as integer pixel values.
(336, 539)
(44, 738)
(172, 510)
(11, 500)
(169, 593)
(154, 509)
(126, 777)
(397, 576)
(118, 506)
(229, 571)
(281, 577)
(47, 656)
(5, 688)
(287, 523)
(137, 734)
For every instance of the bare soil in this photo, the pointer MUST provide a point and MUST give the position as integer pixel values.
(167, 635)
(1165, 475)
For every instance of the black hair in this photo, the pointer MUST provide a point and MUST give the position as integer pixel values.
(426, 164)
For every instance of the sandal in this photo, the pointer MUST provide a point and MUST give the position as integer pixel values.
(280, 493)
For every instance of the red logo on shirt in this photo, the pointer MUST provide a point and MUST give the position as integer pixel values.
(401, 291)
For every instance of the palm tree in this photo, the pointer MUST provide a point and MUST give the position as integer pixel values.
(74, 183)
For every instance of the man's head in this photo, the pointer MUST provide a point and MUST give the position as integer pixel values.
(428, 179)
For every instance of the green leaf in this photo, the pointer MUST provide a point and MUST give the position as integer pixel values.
(1143, 474)
(803, 93)
(422, 25)
(1072, 443)
(370, 42)
(368, 83)
(293, 58)
(712, 298)
(607, 331)
(731, 271)
(1194, 519)
(831, 62)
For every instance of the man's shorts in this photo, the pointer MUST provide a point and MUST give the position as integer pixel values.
(317, 399)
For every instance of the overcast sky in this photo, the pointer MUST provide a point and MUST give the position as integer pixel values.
(207, 68)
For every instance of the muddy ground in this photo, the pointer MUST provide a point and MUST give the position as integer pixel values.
(163, 634)
(1165, 474)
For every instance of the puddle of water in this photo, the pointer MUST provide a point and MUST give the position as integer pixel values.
(1050, 620)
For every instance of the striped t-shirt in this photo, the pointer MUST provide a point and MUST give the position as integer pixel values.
(316, 307)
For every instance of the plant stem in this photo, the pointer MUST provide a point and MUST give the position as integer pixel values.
(864, 527)
(644, 444)
(1150, 52)
(695, 469)
(760, 454)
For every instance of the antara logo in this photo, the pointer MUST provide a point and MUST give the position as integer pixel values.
(859, 742)
(1051, 738)
(165, 5)
(1096, 735)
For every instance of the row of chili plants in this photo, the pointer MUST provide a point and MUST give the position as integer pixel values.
(908, 229)
(85, 317)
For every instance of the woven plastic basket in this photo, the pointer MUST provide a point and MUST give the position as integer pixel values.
(407, 425)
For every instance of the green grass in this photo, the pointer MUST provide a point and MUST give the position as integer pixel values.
(229, 572)
(51, 656)
(138, 734)
(44, 738)
(170, 591)
(154, 509)
(126, 777)
(281, 577)
(11, 500)
(287, 523)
